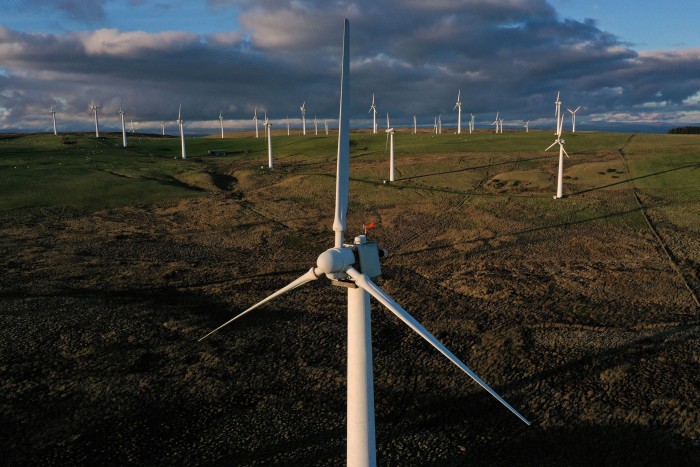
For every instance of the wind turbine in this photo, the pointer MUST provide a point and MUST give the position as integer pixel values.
(459, 112)
(573, 118)
(373, 108)
(97, 123)
(181, 122)
(500, 123)
(440, 124)
(303, 117)
(496, 122)
(162, 128)
(121, 114)
(255, 117)
(325, 124)
(132, 128)
(527, 126)
(390, 140)
(221, 119)
(268, 131)
(435, 126)
(471, 124)
(315, 126)
(53, 117)
(265, 124)
(414, 125)
(560, 142)
(287, 125)
(352, 266)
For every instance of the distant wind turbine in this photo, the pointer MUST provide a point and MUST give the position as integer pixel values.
(440, 124)
(560, 142)
(527, 126)
(459, 112)
(414, 125)
(255, 117)
(573, 118)
(265, 124)
(181, 123)
(435, 126)
(121, 114)
(315, 126)
(471, 123)
(162, 128)
(303, 118)
(268, 131)
(500, 123)
(353, 265)
(97, 124)
(373, 108)
(221, 120)
(325, 124)
(496, 122)
(132, 128)
(390, 140)
(53, 117)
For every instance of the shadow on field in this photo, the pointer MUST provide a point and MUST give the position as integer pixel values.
(486, 166)
(696, 165)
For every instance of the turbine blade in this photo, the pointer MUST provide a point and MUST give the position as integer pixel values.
(371, 288)
(342, 181)
(562, 148)
(551, 146)
(308, 277)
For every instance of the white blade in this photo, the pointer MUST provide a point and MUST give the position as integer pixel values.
(562, 148)
(371, 288)
(342, 181)
(308, 277)
(550, 146)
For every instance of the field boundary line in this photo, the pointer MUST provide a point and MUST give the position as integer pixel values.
(664, 247)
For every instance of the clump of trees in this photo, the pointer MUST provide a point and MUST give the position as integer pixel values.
(685, 130)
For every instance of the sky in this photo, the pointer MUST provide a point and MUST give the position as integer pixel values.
(629, 64)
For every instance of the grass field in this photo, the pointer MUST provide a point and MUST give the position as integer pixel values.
(582, 311)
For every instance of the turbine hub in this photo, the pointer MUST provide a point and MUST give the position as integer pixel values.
(335, 261)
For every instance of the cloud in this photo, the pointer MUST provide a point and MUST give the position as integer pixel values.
(87, 11)
(510, 56)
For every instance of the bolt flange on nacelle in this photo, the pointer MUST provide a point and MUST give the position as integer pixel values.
(362, 255)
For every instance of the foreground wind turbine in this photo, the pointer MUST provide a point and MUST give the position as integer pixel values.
(560, 142)
(373, 108)
(255, 118)
(414, 125)
(162, 128)
(121, 114)
(221, 120)
(573, 118)
(97, 124)
(303, 118)
(353, 266)
(268, 132)
(459, 112)
(390, 137)
(181, 122)
(53, 117)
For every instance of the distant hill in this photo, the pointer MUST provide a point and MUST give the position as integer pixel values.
(685, 130)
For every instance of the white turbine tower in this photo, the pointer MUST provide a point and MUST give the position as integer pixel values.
(97, 123)
(53, 117)
(162, 128)
(315, 126)
(471, 124)
(560, 142)
(573, 118)
(414, 125)
(390, 140)
(496, 122)
(352, 266)
(500, 124)
(373, 108)
(121, 114)
(255, 118)
(287, 125)
(221, 120)
(440, 124)
(181, 123)
(458, 105)
(303, 118)
(435, 126)
(268, 131)
(325, 124)
(527, 126)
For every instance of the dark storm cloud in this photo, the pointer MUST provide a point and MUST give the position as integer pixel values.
(510, 56)
(87, 11)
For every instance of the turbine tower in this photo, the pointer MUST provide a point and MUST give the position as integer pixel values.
(414, 125)
(268, 131)
(221, 120)
(287, 125)
(181, 122)
(496, 122)
(53, 117)
(471, 124)
(303, 118)
(353, 266)
(255, 118)
(435, 127)
(325, 124)
(121, 114)
(573, 118)
(373, 108)
(440, 124)
(560, 142)
(162, 128)
(390, 140)
(315, 126)
(527, 126)
(458, 105)
(265, 124)
(97, 123)
(500, 124)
